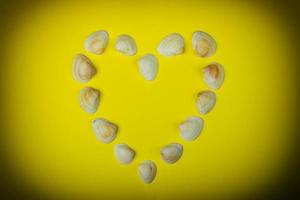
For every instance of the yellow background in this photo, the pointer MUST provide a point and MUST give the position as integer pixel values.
(245, 141)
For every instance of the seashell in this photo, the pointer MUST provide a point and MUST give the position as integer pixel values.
(203, 44)
(147, 171)
(148, 66)
(96, 42)
(205, 101)
(126, 45)
(123, 153)
(171, 152)
(89, 99)
(213, 75)
(191, 128)
(83, 69)
(171, 45)
(104, 130)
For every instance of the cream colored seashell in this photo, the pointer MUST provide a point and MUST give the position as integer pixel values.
(205, 101)
(96, 42)
(148, 66)
(83, 69)
(171, 152)
(191, 128)
(123, 153)
(213, 75)
(171, 45)
(147, 171)
(89, 99)
(126, 45)
(104, 130)
(203, 44)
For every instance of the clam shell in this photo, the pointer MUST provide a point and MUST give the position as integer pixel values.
(191, 128)
(89, 99)
(171, 153)
(205, 101)
(171, 45)
(147, 171)
(203, 44)
(148, 67)
(213, 75)
(123, 153)
(96, 42)
(104, 130)
(126, 45)
(83, 69)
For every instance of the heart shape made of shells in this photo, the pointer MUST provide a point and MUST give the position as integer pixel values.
(173, 44)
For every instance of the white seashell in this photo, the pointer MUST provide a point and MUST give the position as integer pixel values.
(147, 171)
(104, 130)
(191, 128)
(83, 69)
(126, 45)
(89, 99)
(205, 101)
(148, 66)
(123, 153)
(96, 42)
(171, 45)
(171, 152)
(203, 44)
(213, 75)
